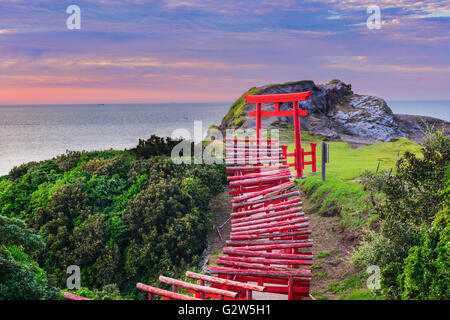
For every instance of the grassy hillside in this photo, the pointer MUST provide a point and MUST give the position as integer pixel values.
(400, 211)
(341, 193)
(235, 116)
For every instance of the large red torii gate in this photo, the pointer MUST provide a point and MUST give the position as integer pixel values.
(296, 112)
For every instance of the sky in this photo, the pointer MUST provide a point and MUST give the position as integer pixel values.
(137, 51)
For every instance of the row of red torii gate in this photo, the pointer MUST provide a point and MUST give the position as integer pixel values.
(268, 252)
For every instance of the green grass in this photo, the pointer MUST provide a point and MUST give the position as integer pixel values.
(345, 286)
(236, 112)
(347, 162)
(321, 274)
(322, 254)
(319, 295)
(341, 194)
(316, 266)
(361, 294)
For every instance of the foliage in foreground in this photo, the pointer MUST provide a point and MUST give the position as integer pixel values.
(123, 217)
(412, 245)
(20, 275)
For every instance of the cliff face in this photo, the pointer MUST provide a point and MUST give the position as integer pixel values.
(335, 111)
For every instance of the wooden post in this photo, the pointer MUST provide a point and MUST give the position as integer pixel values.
(258, 121)
(313, 157)
(328, 153)
(71, 296)
(235, 148)
(325, 159)
(168, 295)
(202, 294)
(290, 288)
(298, 142)
(303, 159)
(249, 294)
(284, 153)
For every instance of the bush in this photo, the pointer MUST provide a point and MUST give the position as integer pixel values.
(68, 161)
(411, 247)
(21, 278)
(426, 272)
(154, 146)
(20, 275)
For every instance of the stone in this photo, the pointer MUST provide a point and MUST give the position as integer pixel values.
(336, 112)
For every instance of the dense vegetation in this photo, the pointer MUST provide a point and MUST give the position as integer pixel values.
(20, 275)
(412, 243)
(121, 216)
(402, 209)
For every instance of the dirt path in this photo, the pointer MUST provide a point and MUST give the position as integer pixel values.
(220, 210)
(332, 247)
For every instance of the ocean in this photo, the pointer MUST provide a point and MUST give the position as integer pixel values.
(432, 108)
(35, 133)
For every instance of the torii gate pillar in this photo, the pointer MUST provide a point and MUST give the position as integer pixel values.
(298, 142)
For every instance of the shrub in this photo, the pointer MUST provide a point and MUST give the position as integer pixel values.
(426, 272)
(154, 146)
(413, 258)
(20, 275)
(68, 161)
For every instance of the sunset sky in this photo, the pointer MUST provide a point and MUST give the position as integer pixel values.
(203, 50)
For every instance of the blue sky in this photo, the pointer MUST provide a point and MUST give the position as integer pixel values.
(185, 50)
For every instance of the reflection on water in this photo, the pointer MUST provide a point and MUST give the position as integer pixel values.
(35, 133)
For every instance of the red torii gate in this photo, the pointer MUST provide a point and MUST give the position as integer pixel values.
(296, 112)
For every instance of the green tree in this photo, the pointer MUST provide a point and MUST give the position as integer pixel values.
(406, 249)
(20, 276)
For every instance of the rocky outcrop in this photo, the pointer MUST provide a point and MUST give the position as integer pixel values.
(335, 111)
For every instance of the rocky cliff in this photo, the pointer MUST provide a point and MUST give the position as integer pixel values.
(335, 111)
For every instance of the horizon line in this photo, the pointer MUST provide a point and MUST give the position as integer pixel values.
(104, 104)
(166, 102)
